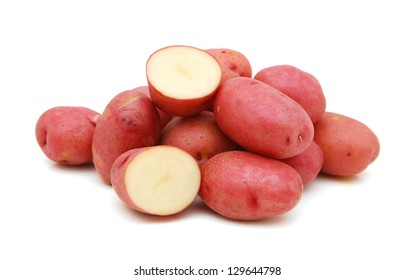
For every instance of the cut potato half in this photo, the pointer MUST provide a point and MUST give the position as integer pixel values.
(182, 79)
(159, 180)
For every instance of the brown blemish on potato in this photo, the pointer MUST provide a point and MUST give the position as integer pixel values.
(252, 201)
(128, 121)
(131, 117)
(287, 140)
(233, 67)
(65, 154)
(44, 137)
(186, 141)
(198, 156)
(348, 154)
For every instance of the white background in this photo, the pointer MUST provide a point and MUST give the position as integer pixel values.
(64, 223)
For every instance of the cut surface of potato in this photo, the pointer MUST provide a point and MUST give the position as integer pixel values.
(183, 72)
(161, 180)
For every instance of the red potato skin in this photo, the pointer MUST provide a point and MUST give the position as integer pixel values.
(164, 117)
(198, 135)
(245, 186)
(299, 85)
(308, 163)
(64, 134)
(118, 170)
(233, 63)
(348, 145)
(180, 107)
(129, 121)
(261, 119)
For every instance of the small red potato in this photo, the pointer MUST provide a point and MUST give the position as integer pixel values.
(308, 163)
(299, 85)
(233, 63)
(245, 186)
(198, 135)
(164, 117)
(182, 80)
(159, 180)
(348, 145)
(65, 133)
(261, 119)
(129, 121)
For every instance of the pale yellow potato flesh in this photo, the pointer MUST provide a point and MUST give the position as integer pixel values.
(162, 180)
(183, 72)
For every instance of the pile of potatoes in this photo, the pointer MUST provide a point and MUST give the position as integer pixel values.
(205, 126)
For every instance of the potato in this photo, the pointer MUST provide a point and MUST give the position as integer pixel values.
(164, 117)
(182, 80)
(261, 119)
(308, 163)
(348, 145)
(233, 63)
(159, 180)
(129, 121)
(65, 133)
(245, 186)
(299, 85)
(198, 135)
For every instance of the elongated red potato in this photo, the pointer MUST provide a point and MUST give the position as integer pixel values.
(129, 121)
(245, 186)
(198, 135)
(182, 80)
(348, 145)
(299, 85)
(159, 180)
(261, 119)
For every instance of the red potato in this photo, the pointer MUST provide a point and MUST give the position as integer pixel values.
(129, 121)
(299, 85)
(182, 80)
(348, 145)
(245, 186)
(233, 63)
(198, 135)
(308, 163)
(164, 117)
(159, 180)
(261, 119)
(65, 133)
